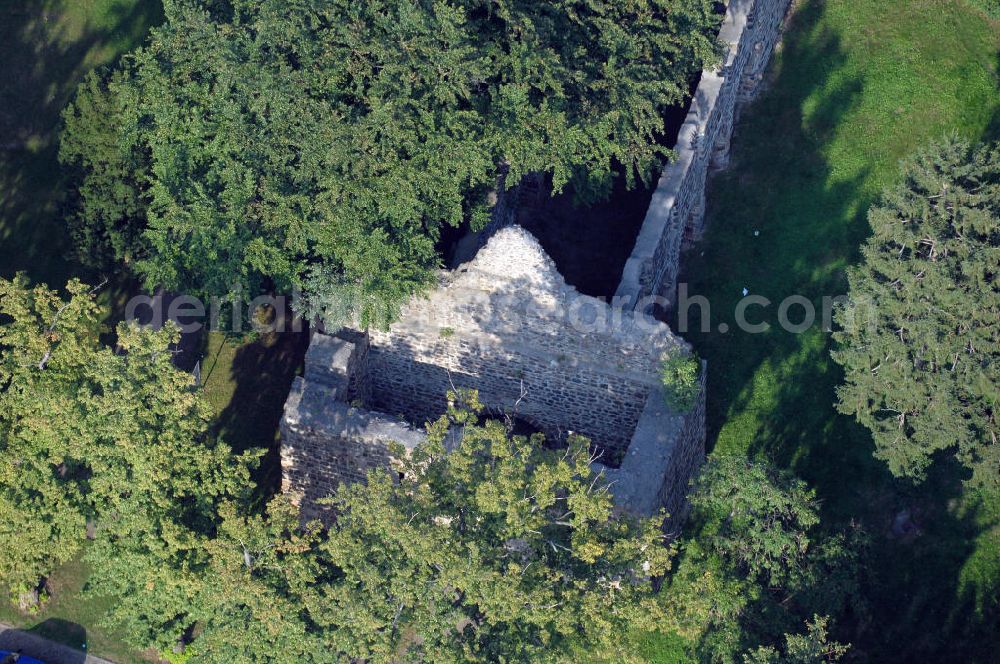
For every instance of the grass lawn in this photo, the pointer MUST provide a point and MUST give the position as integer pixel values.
(858, 85)
(72, 621)
(247, 385)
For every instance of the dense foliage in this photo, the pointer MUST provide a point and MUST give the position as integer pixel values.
(500, 550)
(480, 545)
(813, 647)
(254, 144)
(88, 433)
(921, 340)
(753, 565)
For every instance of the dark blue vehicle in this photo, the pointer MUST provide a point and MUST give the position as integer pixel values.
(8, 657)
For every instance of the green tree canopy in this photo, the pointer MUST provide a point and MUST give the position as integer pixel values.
(45, 345)
(813, 647)
(920, 344)
(500, 550)
(521, 549)
(753, 564)
(114, 436)
(253, 143)
(754, 515)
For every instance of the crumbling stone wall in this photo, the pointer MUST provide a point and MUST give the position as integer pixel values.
(341, 364)
(676, 214)
(324, 439)
(666, 449)
(508, 325)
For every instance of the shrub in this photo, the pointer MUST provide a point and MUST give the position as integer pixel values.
(680, 374)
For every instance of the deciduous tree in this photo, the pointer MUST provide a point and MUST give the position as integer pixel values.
(753, 564)
(499, 550)
(118, 437)
(813, 647)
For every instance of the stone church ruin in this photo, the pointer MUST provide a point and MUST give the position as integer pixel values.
(507, 324)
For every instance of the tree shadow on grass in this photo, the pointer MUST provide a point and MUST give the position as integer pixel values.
(992, 132)
(54, 641)
(941, 596)
(262, 372)
(779, 226)
(47, 46)
(782, 222)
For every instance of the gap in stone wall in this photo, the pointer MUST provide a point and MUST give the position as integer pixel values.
(520, 425)
(451, 237)
(588, 243)
(591, 242)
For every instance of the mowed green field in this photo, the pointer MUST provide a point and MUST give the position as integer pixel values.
(858, 85)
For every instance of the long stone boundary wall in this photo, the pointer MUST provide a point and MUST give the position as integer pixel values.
(676, 214)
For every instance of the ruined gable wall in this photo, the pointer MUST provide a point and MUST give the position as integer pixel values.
(508, 325)
(414, 375)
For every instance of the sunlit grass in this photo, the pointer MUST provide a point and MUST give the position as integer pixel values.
(859, 85)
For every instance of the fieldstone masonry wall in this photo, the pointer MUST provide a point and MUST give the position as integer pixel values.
(340, 364)
(676, 214)
(508, 325)
(665, 451)
(324, 439)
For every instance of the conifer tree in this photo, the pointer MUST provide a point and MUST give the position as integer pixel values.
(263, 144)
(920, 344)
